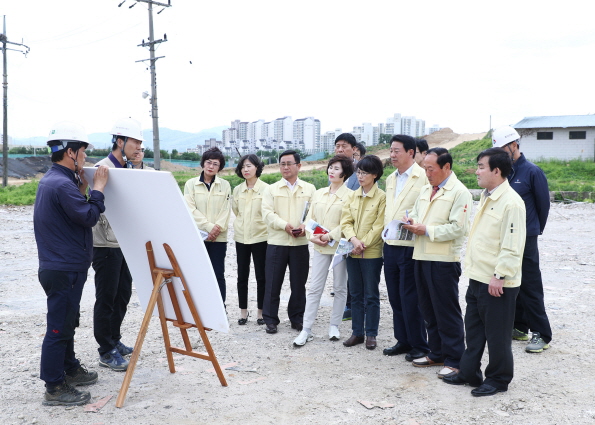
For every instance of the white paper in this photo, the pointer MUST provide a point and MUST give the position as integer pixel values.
(147, 205)
(394, 231)
(343, 249)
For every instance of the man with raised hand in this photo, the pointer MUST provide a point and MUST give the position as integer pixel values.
(493, 265)
(62, 219)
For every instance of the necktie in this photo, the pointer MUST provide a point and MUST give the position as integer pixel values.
(434, 190)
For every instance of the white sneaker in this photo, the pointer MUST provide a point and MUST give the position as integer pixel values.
(333, 333)
(302, 338)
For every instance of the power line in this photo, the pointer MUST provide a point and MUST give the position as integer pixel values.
(20, 47)
(151, 44)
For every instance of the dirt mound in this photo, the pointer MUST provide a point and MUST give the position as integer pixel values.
(446, 138)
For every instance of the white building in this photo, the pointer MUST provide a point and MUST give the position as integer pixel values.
(434, 128)
(327, 140)
(558, 137)
(306, 134)
(284, 129)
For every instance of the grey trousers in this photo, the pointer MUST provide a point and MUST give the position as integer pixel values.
(319, 274)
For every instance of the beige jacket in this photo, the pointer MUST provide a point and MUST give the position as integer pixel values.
(209, 208)
(395, 208)
(497, 239)
(281, 206)
(363, 217)
(446, 218)
(326, 210)
(103, 235)
(249, 227)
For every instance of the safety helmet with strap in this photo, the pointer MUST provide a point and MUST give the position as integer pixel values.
(69, 134)
(503, 136)
(125, 128)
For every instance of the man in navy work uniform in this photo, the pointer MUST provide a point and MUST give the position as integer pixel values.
(63, 217)
(530, 183)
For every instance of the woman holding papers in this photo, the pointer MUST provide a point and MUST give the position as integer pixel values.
(362, 222)
(208, 197)
(250, 233)
(324, 230)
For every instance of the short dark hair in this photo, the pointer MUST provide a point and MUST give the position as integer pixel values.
(213, 153)
(443, 156)
(361, 148)
(59, 155)
(422, 145)
(371, 164)
(254, 160)
(346, 164)
(347, 137)
(296, 156)
(407, 141)
(497, 158)
(115, 141)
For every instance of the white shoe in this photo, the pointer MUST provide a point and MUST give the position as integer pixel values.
(302, 338)
(333, 333)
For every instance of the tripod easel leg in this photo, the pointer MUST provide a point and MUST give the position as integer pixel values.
(139, 340)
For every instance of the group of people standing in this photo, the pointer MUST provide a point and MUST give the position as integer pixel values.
(422, 274)
(504, 296)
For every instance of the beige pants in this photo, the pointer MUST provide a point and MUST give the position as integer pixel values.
(318, 276)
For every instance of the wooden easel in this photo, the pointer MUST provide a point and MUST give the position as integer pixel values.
(163, 277)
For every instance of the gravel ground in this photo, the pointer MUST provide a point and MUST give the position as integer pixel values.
(270, 382)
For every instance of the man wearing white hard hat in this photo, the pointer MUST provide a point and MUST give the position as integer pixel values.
(530, 183)
(62, 219)
(113, 281)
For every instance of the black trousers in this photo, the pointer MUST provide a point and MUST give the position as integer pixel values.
(277, 259)
(438, 294)
(488, 319)
(408, 323)
(530, 307)
(217, 252)
(258, 251)
(63, 291)
(113, 288)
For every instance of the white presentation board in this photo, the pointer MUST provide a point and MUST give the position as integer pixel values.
(147, 205)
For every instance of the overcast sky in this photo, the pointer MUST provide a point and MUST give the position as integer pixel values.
(344, 62)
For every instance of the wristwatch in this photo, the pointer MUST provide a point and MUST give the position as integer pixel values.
(498, 276)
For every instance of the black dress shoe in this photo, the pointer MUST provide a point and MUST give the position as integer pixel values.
(415, 354)
(398, 348)
(260, 321)
(271, 329)
(457, 379)
(485, 390)
(297, 326)
(354, 340)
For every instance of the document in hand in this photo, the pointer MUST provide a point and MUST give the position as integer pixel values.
(204, 235)
(394, 231)
(344, 248)
(305, 211)
(317, 229)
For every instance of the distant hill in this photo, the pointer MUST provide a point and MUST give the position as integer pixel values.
(168, 139)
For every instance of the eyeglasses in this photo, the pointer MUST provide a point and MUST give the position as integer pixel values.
(361, 173)
(286, 164)
(212, 163)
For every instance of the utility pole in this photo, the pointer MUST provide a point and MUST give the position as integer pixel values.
(151, 44)
(5, 41)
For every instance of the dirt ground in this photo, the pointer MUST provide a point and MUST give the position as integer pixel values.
(271, 382)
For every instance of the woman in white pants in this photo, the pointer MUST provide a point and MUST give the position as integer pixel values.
(327, 204)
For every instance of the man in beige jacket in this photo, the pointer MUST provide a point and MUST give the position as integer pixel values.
(402, 190)
(283, 206)
(493, 264)
(440, 220)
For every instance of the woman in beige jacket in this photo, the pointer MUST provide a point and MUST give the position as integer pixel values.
(250, 233)
(326, 207)
(209, 198)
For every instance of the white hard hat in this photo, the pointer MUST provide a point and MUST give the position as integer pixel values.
(503, 136)
(128, 127)
(66, 131)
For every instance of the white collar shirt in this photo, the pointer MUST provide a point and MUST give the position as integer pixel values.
(401, 181)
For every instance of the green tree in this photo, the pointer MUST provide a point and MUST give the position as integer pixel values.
(174, 153)
(384, 138)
